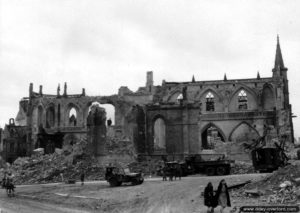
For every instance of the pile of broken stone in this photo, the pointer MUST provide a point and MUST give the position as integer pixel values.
(241, 167)
(280, 187)
(60, 166)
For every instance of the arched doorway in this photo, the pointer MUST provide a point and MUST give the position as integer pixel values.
(243, 133)
(210, 136)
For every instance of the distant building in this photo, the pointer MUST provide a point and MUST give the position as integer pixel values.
(14, 141)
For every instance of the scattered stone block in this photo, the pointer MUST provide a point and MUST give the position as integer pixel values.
(297, 181)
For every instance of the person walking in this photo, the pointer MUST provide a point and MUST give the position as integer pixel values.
(10, 187)
(82, 178)
(209, 199)
(62, 177)
(222, 195)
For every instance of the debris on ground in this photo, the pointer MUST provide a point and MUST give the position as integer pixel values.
(241, 167)
(280, 187)
(57, 167)
(69, 162)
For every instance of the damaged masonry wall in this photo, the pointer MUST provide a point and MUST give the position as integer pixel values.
(173, 119)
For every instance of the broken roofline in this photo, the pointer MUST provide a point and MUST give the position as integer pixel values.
(222, 81)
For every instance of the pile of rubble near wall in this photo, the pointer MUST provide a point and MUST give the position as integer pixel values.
(118, 146)
(280, 187)
(68, 163)
(62, 165)
(126, 156)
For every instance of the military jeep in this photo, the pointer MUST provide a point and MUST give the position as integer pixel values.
(115, 176)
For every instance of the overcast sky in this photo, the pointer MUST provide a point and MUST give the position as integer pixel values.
(102, 45)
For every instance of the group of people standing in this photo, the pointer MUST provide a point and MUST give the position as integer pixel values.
(172, 171)
(219, 198)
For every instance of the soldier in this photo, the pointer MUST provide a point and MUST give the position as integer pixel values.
(164, 173)
(10, 188)
(178, 172)
(82, 178)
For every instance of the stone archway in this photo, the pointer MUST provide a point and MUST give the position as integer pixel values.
(210, 135)
(243, 132)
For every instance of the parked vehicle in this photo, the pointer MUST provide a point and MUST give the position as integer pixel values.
(115, 176)
(214, 164)
(210, 164)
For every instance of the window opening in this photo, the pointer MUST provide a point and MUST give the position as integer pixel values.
(73, 117)
(210, 102)
(242, 100)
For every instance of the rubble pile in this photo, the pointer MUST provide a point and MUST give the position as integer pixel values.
(242, 168)
(69, 163)
(62, 165)
(286, 194)
(54, 168)
(287, 173)
(280, 187)
(291, 150)
(119, 146)
(146, 167)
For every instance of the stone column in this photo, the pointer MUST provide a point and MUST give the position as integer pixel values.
(97, 131)
(185, 130)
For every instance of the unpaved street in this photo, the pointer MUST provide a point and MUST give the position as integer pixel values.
(153, 195)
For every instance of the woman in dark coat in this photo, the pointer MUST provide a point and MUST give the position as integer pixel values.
(222, 195)
(209, 198)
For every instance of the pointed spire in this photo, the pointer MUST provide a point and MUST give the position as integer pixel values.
(65, 89)
(278, 58)
(58, 90)
(193, 79)
(225, 77)
(258, 75)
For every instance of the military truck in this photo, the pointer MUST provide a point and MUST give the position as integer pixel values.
(207, 162)
(115, 176)
(210, 164)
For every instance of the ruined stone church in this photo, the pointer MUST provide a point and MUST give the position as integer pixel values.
(171, 119)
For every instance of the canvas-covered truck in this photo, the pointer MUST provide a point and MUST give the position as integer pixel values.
(210, 164)
(115, 176)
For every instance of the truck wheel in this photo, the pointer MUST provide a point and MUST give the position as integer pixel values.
(221, 170)
(210, 171)
(113, 182)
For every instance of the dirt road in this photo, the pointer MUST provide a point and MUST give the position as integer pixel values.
(19, 205)
(153, 195)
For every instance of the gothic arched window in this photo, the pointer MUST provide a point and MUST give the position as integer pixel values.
(73, 117)
(210, 102)
(242, 100)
